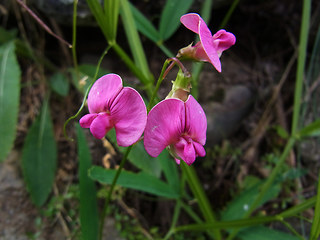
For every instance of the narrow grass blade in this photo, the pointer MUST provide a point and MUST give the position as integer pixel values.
(9, 97)
(134, 39)
(138, 181)
(315, 229)
(170, 17)
(39, 157)
(99, 15)
(144, 25)
(264, 233)
(89, 218)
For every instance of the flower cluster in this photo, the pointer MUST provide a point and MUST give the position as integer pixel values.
(177, 123)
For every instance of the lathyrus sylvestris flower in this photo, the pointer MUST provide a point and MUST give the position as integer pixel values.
(112, 105)
(210, 47)
(178, 125)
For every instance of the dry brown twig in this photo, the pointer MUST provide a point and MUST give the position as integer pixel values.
(42, 24)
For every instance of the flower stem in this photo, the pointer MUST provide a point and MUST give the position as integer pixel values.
(160, 79)
(135, 70)
(201, 197)
(108, 198)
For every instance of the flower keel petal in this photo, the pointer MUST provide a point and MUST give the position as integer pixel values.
(100, 126)
(87, 119)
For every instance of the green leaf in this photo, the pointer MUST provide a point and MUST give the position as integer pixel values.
(7, 35)
(238, 207)
(134, 39)
(9, 97)
(315, 228)
(170, 16)
(111, 9)
(138, 156)
(99, 15)
(39, 157)
(59, 83)
(281, 131)
(89, 218)
(170, 170)
(264, 233)
(138, 181)
(312, 130)
(144, 25)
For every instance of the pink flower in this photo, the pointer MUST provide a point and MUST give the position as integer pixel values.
(180, 126)
(112, 105)
(210, 47)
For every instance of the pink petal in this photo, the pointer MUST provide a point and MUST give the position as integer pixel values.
(185, 150)
(87, 119)
(165, 124)
(191, 21)
(196, 121)
(223, 40)
(208, 46)
(200, 151)
(103, 92)
(129, 114)
(100, 126)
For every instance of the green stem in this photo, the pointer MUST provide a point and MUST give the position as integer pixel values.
(74, 37)
(292, 229)
(247, 222)
(133, 68)
(108, 198)
(229, 13)
(201, 197)
(301, 64)
(176, 213)
(160, 79)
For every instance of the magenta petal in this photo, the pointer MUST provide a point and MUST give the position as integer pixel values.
(200, 151)
(87, 119)
(223, 40)
(185, 150)
(191, 21)
(129, 114)
(196, 121)
(103, 92)
(208, 46)
(100, 126)
(165, 124)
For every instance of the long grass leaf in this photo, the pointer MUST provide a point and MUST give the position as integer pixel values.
(134, 40)
(9, 97)
(89, 218)
(138, 181)
(170, 17)
(39, 157)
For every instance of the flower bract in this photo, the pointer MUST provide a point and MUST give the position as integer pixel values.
(210, 47)
(112, 105)
(180, 126)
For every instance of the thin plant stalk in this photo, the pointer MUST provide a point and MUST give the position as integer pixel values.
(248, 222)
(74, 37)
(201, 197)
(85, 95)
(296, 107)
(108, 198)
